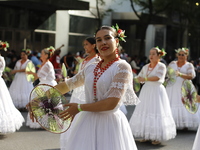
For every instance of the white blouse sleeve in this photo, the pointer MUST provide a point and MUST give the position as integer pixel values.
(76, 81)
(122, 85)
(161, 71)
(191, 70)
(44, 71)
(142, 72)
(2, 65)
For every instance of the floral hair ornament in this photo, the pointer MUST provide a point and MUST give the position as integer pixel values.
(27, 51)
(4, 45)
(51, 49)
(184, 49)
(161, 51)
(120, 33)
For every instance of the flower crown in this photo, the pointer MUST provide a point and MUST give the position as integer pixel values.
(51, 49)
(120, 33)
(161, 51)
(27, 51)
(4, 45)
(184, 49)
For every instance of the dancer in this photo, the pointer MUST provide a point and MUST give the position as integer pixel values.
(196, 145)
(20, 88)
(184, 70)
(46, 75)
(99, 124)
(152, 118)
(10, 118)
(89, 44)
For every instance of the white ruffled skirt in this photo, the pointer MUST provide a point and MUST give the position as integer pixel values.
(182, 117)
(20, 90)
(152, 118)
(196, 145)
(98, 131)
(10, 118)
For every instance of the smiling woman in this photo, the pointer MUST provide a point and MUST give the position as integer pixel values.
(99, 123)
(184, 71)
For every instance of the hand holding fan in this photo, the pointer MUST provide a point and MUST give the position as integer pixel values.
(30, 67)
(136, 85)
(189, 96)
(170, 77)
(46, 103)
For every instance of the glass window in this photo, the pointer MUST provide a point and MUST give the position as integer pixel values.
(83, 25)
(76, 43)
(49, 24)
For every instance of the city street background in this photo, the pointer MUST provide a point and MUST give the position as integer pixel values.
(39, 139)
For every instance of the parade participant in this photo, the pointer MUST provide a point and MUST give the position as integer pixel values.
(152, 118)
(184, 70)
(20, 87)
(89, 44)
(99, 124)
(10, 118)
(45, 75)
(196, 145)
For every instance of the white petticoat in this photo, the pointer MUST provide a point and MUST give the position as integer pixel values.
(152, 118)
(10, 118)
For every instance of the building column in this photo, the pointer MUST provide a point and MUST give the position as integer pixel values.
(62, 31)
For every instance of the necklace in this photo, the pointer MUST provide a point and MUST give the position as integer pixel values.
(98, 71)
(149, 70)
(86, 60)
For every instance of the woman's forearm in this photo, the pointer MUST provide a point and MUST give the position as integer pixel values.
(62, 87)
(102, 105)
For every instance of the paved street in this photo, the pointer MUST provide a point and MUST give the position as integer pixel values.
(34, 139)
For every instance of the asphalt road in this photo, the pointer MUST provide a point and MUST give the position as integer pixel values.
(39, 139)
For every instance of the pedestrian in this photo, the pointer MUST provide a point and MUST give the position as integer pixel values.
(99, 124)
(184, 70)
(20, 87)
(69, 62)
(55, 58)
(45, 75)
(152, 118)
(10, 118)
(35, 60)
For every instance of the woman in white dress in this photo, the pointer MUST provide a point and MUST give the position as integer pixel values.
(196, 145)
(184, 70)
(152, 118)
(46, 75)
(89, 44)
(10, 118)
(20, 87)
(100, 124)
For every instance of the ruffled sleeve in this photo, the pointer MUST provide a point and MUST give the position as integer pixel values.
(44, 71)
(191, 70)
(161, 72)
(2, 65)
(122, 85)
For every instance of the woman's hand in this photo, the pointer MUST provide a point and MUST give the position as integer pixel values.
(13, 71)
(70, 112)
(29, 72)
(141, 79)
(198, 99)
(28, 107)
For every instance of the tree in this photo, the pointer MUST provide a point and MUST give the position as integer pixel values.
(149, 10)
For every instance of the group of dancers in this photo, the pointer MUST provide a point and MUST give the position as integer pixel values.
(102, 86)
